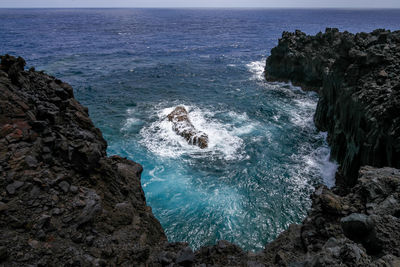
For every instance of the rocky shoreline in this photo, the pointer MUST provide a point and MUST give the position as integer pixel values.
(357, 77)
(63, 202)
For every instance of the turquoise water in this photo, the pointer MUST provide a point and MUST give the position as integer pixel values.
(131, 67)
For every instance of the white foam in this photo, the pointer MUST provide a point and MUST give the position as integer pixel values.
(276, 117)
(153, 174)
(328, 167)
(131, 120)
(306, 103)
(224, 138)
(238, 117)
(257, 68)
(302, 116)
(300, 119)
(317, 162)
(129, 123)
(288, 87)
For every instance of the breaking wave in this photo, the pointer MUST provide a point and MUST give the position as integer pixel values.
(224, 140)
(257, 69)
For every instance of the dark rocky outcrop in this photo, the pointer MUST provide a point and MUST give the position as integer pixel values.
(183, 127)
(358, 80)
(359, 229)
(63, 202)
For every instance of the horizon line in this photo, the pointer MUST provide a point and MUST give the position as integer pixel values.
(288, 8)
(202, 7)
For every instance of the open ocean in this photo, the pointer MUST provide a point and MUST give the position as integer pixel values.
(131, 67)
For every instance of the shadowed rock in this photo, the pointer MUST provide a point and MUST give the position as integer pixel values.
(183, 127)
(59, 192)
(358, 80)
(63, 202)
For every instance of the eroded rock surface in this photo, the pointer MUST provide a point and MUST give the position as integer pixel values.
(358, 229)
(183, 127)
(358, 80)
(62, 201)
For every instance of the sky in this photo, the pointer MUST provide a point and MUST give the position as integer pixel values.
(204, 3)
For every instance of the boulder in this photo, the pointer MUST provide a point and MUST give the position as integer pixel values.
(356, 225)
(11, 188)
(360, 228)
(185, 257)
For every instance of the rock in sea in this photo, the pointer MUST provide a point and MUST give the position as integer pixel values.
(184, 127)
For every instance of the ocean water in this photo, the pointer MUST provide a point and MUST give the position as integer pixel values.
(131, 67)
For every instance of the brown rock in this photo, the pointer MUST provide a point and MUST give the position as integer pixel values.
(183, 127)
(5, 130)
(331, 202)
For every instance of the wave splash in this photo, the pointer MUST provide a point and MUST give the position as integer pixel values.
(257, 69)
(224, 138)
(254, 177)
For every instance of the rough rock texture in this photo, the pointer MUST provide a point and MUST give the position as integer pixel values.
(62, 201)
(183, 127)
(359, 229)
(358, 79)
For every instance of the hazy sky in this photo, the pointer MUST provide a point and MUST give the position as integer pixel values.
(203, 3)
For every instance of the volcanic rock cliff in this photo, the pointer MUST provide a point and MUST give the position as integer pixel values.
(63, 202)
(358, 80)
(357, 77)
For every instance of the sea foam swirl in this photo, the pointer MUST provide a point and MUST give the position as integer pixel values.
(224, 138)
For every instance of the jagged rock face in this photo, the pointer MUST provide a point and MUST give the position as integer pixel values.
(183, 127)
(358, 229)
(358, 79)
(62, 201)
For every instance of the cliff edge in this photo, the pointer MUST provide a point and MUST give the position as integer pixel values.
(357, 77)
(63, 202)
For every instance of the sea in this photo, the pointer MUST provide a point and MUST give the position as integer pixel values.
(132, 67)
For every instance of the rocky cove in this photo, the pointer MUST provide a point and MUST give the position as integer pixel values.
(357, 77)
(64, 202)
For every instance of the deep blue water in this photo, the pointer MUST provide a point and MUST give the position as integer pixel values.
(131, 67)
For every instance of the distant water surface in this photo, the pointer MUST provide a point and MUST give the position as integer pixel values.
(131, 67)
